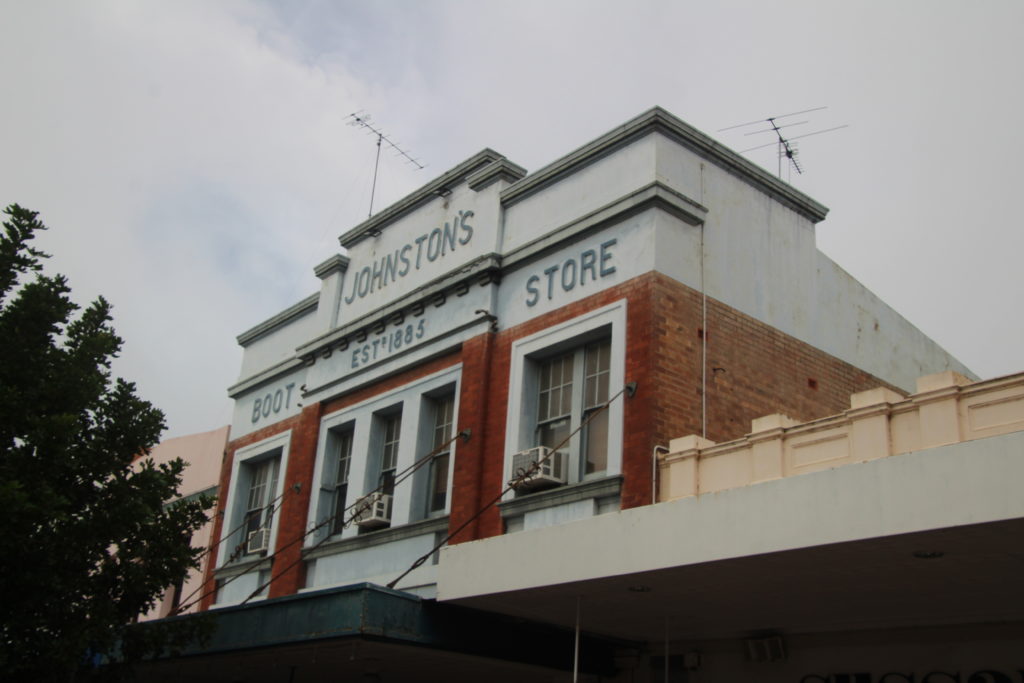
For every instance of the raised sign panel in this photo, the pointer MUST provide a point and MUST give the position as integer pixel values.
(429, 243)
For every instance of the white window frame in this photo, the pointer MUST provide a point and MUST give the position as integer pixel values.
(432, 406)
(234, 508)
(363, 419)
(607, 322)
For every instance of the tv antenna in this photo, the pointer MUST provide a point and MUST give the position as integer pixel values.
(362, 120)
(785, 145)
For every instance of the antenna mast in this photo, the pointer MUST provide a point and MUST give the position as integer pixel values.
(363, 121)
(784, 144)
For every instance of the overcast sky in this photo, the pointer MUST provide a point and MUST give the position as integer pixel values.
(193, 162)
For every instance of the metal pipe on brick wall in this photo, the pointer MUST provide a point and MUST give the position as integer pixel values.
(654, 472)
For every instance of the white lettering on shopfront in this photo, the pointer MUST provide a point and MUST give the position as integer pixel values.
(571, 272)
(272, 403)
(411, 256)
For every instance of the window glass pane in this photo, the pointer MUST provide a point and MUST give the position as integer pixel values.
(444, 415)
(598, 370)
(595, 444)
(344, 457)
(566, 398)
(341, 482)
(438, 483)
(551, 434)
(340, 497)
(258, 486)
(387, 482)
(258, 511)
(572, 387)
(555, 397)
(392, 429)
(443, 420)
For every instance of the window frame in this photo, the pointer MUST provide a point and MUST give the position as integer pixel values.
(364, 419)
(235, 506)
(527, 353)
(576, 400)
(342, 457)
(440, 430)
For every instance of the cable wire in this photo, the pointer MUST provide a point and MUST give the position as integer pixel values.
(362, 505)
(273, 506)
(521, 476)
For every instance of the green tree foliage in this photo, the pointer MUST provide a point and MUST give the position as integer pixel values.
(88, 540)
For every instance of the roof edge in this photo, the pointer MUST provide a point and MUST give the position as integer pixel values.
(658, 119)
(414, 200)
(280, 320)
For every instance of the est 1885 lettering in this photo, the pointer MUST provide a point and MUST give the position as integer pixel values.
(387, 343)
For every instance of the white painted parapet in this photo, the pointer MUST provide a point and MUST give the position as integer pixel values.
(947, 408)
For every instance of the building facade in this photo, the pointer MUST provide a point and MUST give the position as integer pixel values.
(648, 285)
(203, 454)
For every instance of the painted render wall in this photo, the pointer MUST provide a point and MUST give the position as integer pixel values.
(759, 255)
(710, 263)
(204, 453)
(880, 498)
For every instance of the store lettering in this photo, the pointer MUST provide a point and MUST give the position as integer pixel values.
(387, 343)
(981, 676)
(274, 402)
(425, 249)
(571, 273)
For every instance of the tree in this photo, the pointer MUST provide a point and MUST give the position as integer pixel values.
(88, 538)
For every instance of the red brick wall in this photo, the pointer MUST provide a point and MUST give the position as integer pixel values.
(305, 429)
(752, 370)
(208, 593)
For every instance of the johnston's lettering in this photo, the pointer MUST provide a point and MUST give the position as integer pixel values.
(410, 257)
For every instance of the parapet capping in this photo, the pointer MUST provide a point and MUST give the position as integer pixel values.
(280, 320)
(654, 194)
(962, 411)
(658, 120)
(481, 271)
(263, 376)
(373, 225)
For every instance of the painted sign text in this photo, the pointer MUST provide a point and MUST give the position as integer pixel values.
(388, 342)
(410, 257)
(571, 273)
(274, 402)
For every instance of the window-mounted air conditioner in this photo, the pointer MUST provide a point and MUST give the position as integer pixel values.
(257, 541)
(373, 511)
(551, 471)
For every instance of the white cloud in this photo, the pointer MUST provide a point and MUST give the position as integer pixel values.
(193, 161)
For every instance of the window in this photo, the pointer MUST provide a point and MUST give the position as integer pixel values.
(371, 446)
(391, 430)
(571, 387)
(596, 375)
(341, 481)
(441, 433)
(561, 377)
(255, 490)
(259, 508)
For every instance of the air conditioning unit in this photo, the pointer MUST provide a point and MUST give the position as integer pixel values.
(257, 541)
(551, 471)
(373, 511)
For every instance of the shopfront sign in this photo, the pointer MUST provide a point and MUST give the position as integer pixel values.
(589, 265)
(410, 257)
(923, 676)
